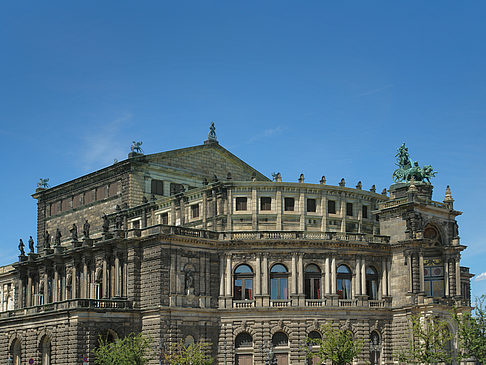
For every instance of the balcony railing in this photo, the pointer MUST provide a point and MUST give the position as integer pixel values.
(315, 302)
(279, 303)
(294, 235)
(111, 304)
(243, 303)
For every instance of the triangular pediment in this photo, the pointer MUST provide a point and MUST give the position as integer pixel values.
(206, 160)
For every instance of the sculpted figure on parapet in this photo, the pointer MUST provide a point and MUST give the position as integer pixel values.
(106, 223)
(31, 244)
(47, 240)
(74, 232)
(57, 240)
(86, 229)
(408, 170)
(21, 248)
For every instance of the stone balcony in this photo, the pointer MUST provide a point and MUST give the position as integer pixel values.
(317, 303)
(258, 235)
(71, 304)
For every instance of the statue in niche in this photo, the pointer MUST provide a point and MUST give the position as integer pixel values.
(74, 232)
(57, 240)
(189, 280)
(31, 244)
(106, 223)
(21, 248)
(86, 229)
(47, 240)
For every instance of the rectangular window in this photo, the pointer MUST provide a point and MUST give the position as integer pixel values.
(195, 210)
(265, 203)
(157, 187)
(113, 189)
(164, 218)
(289, 204)
(349, 209)
(311, 205)
(241, 203)
(364, 211)
(331, 207)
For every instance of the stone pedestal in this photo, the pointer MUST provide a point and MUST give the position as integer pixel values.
(76, 244)
(88, 242)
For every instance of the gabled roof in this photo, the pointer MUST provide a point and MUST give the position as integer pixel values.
(207, 160)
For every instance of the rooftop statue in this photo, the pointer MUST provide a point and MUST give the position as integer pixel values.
(43, 183)
(212, 132)
(135, 147)
(408, 169)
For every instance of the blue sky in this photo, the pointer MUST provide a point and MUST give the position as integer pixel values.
(317, 87)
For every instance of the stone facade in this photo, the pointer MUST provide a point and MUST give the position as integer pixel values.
(196, 245)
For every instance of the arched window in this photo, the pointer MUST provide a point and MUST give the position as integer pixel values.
(107, 336)
(278, 282)
(243, 340)
(312, 282)
(314, 335)
(343, 282)
(371, 283)
(15, 352)
(45, 350)
(244, 349)
(280, 339)
(280, 342)
(243, 283)
(375, 348)
(434, 276)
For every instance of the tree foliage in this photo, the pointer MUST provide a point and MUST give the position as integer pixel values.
(337, 345)
(194, 354)
(472, 331)
(130, 350)
(430, 341)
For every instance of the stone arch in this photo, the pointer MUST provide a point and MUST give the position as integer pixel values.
(429, 227)
(281, 328)
(107, 334)
(242, 329)
(13, 337)
(44, 333)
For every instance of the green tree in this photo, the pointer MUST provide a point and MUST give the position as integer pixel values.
(471, 328)
(194, 354)
(337, 345)
(130, 350)
(430, 341)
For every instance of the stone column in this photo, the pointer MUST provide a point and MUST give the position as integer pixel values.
(363, 276)
(254, 209)
(104, 279)
(333, 276)
(388, 277)
(294, 274)
(327, 276)
(421, 272)
(302, 210)
(46, 288)
(221, 276)
(410, 271)
(300, 275)
(117, 275)
(74, 290)
(21, 293)
(458, 277)
(384, 283)
(323, 213)
(29, 291)
(55, 286)
(265, 275)
(258, 276)
(446, 278)
(204, 209)
(85, 289)
(229, 280)
(173, 218)
(342, 213)
(229, 211)
(278, 209)
(357, 281)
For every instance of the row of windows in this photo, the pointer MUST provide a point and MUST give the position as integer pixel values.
(289, 205)
(157, 187)
(76, 201)
(243, 282)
